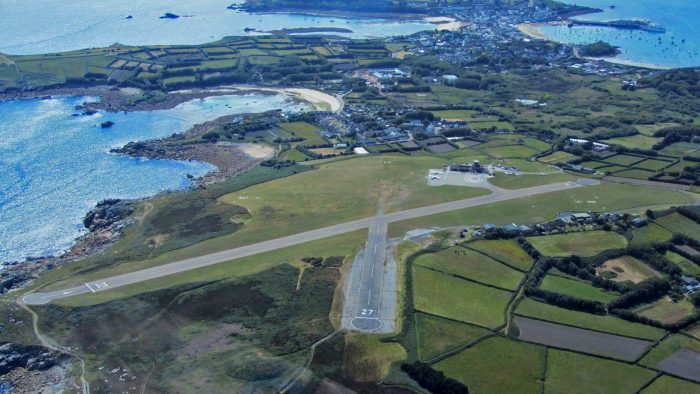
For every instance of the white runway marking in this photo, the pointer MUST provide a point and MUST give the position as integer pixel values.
(91, 289)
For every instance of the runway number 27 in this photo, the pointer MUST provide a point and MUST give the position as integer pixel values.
(366, 312)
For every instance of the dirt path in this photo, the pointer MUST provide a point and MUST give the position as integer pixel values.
(51, 344)
(312, 350)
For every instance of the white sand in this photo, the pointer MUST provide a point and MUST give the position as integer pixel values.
(257, 151)
(445, 23)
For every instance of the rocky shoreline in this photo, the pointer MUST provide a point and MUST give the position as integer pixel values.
(108, 218)
(113, 99)
(104, 223)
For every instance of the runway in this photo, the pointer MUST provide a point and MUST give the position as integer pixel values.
(376, 224)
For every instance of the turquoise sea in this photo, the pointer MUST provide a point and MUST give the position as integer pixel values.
(679, 46)
(56, 167)
(44, 26)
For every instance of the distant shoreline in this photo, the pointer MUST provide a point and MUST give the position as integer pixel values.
(532, 30)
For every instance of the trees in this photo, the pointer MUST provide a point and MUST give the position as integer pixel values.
(432, 380)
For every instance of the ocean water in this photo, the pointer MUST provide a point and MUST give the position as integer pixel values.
(56, 167)
(678, 47)
(43, 26)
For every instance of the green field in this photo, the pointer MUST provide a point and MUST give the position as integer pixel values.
(473, 265)
(613, 325)
(665, 311)
(667, 384)
(653, 165)
(667, 347)
(569, 372)
(497, 365)
(523, 181)
(307, 131)
(623, 160)
(576, 288)
(635, 174)
(458, 299)
(604, 197)
(594, 164)
(506, 250)
(583, 243)
(491, 125)
(638, 141)
(686, 265)
(510, 152)
(611, 169)
(456, 114)
(680, 224)
(367, 359)
(650, 234)
(435, 335)
(680, 149)
(558, 157)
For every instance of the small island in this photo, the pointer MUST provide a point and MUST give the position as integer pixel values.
(169, 15)
(107, 124)
(599, 49)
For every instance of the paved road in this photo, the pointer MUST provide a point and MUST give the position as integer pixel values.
(368, 300)
(497, 195)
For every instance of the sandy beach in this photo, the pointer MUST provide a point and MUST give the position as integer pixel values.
(256, 151)
(532, 30)
(445, 23)
(320, 100)
(632, 63)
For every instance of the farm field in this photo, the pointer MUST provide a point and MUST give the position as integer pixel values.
(576, 288)
(653, 164)
(467, 263)
(584, 243)
(592, 375)
(684, 363)
(510, 152)
(668, 347)
(678, 223)
(604, 197)
(456, 114)
(652, 233)
(623, 160)
(665, 311)
(626, 268)
(458, 299)
(635, 174)
(667, 384)
(558, 157)
(580, 340)
(307, 131)
(505, 250)
(609, 324)
(638, 141)
(435, 335)
(694, 331)
(686, 265)
(481, 367)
